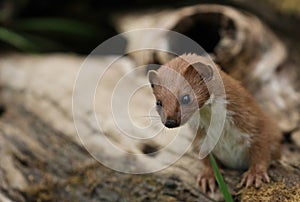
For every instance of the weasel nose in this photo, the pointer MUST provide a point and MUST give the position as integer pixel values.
(171, 123)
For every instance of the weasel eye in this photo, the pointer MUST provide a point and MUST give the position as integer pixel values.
(159, 103)
(152, 85)
(185, 99)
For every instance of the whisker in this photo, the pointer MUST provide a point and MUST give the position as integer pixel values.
(156, 123)
(149, 117)
(155, 119)
(160, 136)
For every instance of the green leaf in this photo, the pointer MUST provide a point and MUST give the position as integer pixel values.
(45, 43)
(58, 25)
(16, 40)
(220, 180)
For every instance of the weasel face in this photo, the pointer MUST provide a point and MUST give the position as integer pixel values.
(175, 102)
(179, 91)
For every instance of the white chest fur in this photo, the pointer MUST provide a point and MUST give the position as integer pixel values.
(232, 148)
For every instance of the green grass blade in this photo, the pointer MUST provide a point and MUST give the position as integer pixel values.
(220, 180)
(46, 44)
(16, 40)
(58, 25)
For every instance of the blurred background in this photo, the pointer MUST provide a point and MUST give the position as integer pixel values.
(80, 25)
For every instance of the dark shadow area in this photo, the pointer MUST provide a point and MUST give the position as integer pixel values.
(149, 149)
(204, 28)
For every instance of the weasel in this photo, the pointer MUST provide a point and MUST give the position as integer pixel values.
(249, 140)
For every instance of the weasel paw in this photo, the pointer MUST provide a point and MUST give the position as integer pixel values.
(254, 177)
(207, 180)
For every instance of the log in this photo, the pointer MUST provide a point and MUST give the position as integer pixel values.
(43, 158)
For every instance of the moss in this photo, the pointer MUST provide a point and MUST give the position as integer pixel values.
(274, 192)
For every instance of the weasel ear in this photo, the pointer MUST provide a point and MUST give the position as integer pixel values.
(152, 75)
(206, 71)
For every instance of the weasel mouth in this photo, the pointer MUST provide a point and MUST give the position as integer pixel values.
(171, 123)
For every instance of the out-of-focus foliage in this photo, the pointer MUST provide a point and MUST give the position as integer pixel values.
(80, 25)
(14, 39)
(32, 34)
(22, 28)
(287, 6)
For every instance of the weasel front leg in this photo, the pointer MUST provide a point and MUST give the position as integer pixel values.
(260, 156)
(206, 179)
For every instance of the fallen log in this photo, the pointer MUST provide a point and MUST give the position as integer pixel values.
(42, 157)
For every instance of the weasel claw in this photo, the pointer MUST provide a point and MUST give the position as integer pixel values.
(207, 181)
(254, 178)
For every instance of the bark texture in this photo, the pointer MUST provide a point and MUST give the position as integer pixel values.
(42, 158)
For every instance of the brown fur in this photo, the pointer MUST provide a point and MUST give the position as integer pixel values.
(247, 116)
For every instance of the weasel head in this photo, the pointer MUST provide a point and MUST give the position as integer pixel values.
(180, 89)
